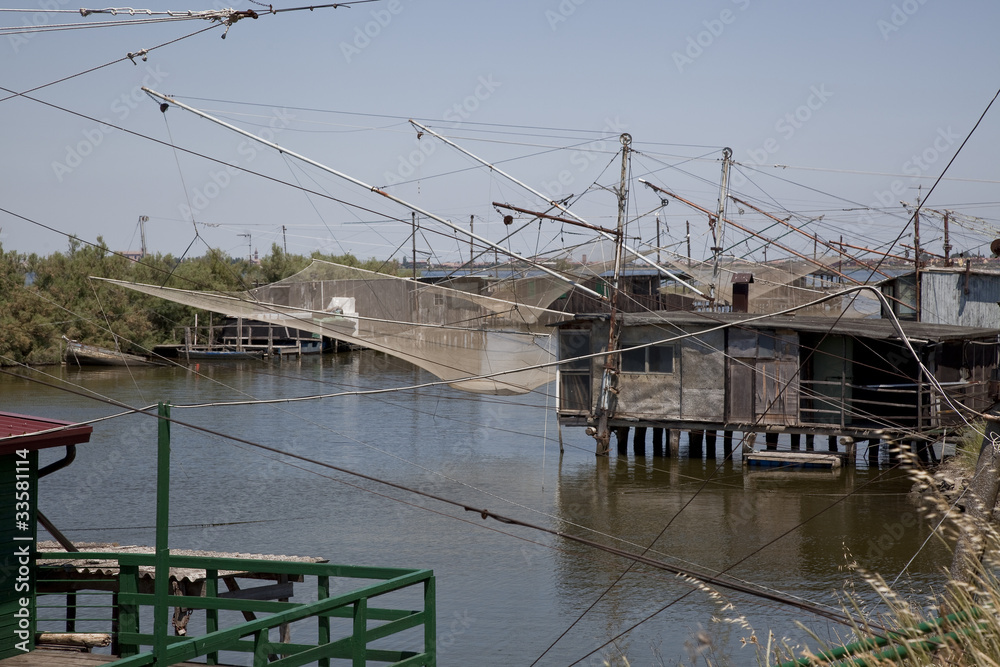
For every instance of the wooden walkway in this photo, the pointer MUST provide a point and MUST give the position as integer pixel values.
(54, 658)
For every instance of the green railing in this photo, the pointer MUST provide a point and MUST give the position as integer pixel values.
(362, 623)
(925, 639)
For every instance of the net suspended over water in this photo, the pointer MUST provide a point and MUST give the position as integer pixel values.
(459, 336)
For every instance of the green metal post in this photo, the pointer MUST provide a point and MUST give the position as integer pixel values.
(359, 647)
(430, 622)
(211, 615)
(323, 635)
(161, 586)
(128, 613)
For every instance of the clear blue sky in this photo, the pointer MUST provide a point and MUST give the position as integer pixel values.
(854, 98)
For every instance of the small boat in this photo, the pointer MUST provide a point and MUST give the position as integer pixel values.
(91, 355)
(218, 353)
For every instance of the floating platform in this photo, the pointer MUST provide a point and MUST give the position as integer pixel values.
(792, 460)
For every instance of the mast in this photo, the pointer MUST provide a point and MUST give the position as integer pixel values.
(718, 227)
(612, 362)
(376, 190)
(413, 243)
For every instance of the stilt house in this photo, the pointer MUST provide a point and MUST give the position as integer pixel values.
(784, 374)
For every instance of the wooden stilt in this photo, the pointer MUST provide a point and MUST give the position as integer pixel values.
(873, 444)
(772, 441)
(851, 449)
(810, 439)
(674, 444)
(639, 441)
(893, 448)
(921, 448)
(831, 443)
(796, 441)
(727, 444)
(621, 438)
(658, 442)
(710, 437)
(695, 440)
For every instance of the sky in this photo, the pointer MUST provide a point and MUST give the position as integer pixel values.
(835, 112)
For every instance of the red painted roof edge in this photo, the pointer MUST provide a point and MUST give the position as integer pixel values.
(27, 432)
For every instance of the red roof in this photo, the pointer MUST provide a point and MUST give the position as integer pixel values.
(25, 432)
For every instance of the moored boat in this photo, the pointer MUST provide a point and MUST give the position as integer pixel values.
(91, 355)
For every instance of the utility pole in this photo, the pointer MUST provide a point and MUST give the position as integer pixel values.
(284, 239)
(143, 219)
(916, 260)
(609, 379)
(249, 239)
(413, 243)
(687, 236)
(947, 242)
(472, 245)
(657, 238)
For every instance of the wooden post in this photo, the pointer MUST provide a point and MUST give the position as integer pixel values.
(810, 442)
(639, 441)
(621, 438)
(674, 443)
(851, 449)
(831, 443)
(772, 441)
(727, 445)
(695, 439)
(796, 441)
(892, 448)
(658, 442)
(710, 437)
(873, 444)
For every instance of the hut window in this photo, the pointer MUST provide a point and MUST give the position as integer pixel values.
(574, 343)
(653, 359)
(439, 299)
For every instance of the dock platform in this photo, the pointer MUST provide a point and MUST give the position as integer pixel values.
(787, 460)
(45, 657)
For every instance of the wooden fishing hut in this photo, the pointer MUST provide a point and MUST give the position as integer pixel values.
(733, 372)
(964, 295)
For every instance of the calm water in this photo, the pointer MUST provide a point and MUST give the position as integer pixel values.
(504, 593)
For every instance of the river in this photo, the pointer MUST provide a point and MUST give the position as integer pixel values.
(504, 593)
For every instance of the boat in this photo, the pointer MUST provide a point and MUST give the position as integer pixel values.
(219, 353)
(91, 355)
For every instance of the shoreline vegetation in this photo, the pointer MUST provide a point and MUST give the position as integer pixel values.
(45, 298)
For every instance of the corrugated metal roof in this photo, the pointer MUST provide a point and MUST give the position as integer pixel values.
(867, 328)
(106, 568)
(26, 432)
